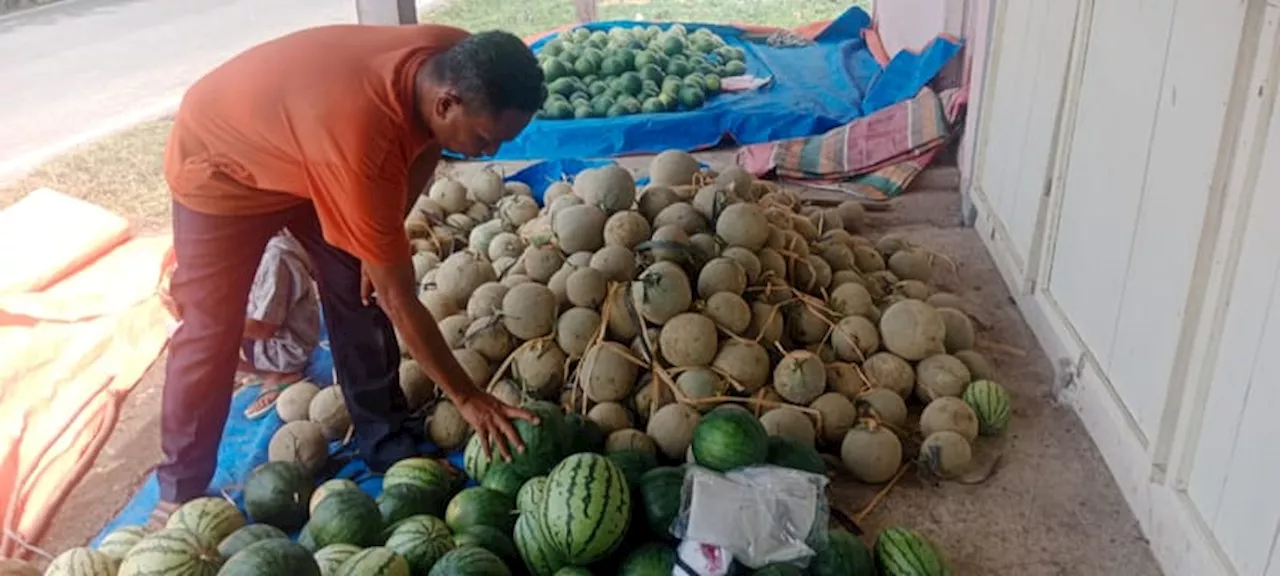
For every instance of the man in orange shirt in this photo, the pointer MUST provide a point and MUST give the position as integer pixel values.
(329, 132)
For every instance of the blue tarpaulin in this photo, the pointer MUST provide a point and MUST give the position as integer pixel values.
(814, 88)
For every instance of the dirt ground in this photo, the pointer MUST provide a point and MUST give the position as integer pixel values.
(1049, 508)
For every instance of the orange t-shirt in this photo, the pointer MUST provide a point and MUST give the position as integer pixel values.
(325, 115)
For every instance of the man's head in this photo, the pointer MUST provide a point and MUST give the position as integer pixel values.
(480, 93)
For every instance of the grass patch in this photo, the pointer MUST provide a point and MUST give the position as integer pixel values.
(526, 17)
(122, 172)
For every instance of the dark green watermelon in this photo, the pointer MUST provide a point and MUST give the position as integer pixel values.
(504, 479)
(470, 561)
(490, 539)
(652, 559)
(584, 435)
(725, 439)
(400, 501)
(779, 570)
(277, 493)
(270, 557)
(573, 571)
(244, 537)
(790, 453)
(904, 552)
(544, 443)
(844, 555)
(633, 464)
(348, 517)
(306, 540)
(480, 506)
(659, 492)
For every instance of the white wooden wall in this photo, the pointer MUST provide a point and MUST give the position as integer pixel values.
(1127, 181)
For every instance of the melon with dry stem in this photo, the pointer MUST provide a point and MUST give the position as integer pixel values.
(852, 215)
(607, 372)
(706, 245)
(446, 427)
(683, 216)
(630, 439)
(626, 229)
(485, 185)
(486, 300)
(891, 243)
(745, 258)
(729, 311)
(843, 378)
(978, 365)
(460, 274)
(838, 256)
(538, 368)
(616, 263)
(303, 442)
(610, 417)
(855, 339)
(586, 287)
(516, 211)
(766, 324)
(649, 397)
(507, 392)
(800, 377)
(945, 454)
(838, 416)
(620, 325)
(947, 413)
(418, 389)
(743, 225)
(851, 299)
(721, 275)
(540, 262)
(737, 180)
(671, 429)
(688, 339)
(701, 383)
(811, 274)
(872, 454)
(806, 325)
(889, 407)
(654, 199)
(712, 199)
(329, 410)
(450, 194)
(556, 190)
(529, 311)
(294, 402)
(575, 329)
(611, 188)
(912, 329)
(789, 423)
(959, 333)
(474, 365)
(913, 289)
(941, 375)
(771, 262)
(744, 361)
(439, 304)
(661, 292)
(579, 228)
(669, 243)
(673, 168)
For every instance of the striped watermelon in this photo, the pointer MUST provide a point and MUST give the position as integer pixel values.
(725, 439)
(584, 435)
(587, 508)
(633, 463)
(490, 539)
(653, 559)
(332, 557)
(540, 558)
(470, 561)
(791, 453)
(172, 552)
(82, 562)
(349, 517)
(530, 496)
(277, 493)
(421, 541)
(474, 459)
(376, 561)
(480, 506)
(211, 517)
(244, 537)
(990, 401)
(505, 479)
(903, 552)
(544, 445)
(424, 473)
(659, 492)
(401, 501)
(269, 558)
(844, 555)
(118, 543)
(327, 488)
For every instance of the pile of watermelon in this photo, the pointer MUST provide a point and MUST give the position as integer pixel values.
(631, 70)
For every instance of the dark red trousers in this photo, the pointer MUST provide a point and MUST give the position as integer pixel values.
(217, 259)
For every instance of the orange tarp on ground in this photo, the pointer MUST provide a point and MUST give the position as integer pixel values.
(80, 322)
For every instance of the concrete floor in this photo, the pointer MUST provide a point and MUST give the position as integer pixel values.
(1050, 508)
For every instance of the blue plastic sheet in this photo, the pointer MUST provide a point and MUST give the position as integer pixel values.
(814, 89)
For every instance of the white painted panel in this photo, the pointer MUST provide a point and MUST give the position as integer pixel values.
(1188, 130)
(1119, 96)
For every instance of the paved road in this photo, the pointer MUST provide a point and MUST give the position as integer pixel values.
(78, 68)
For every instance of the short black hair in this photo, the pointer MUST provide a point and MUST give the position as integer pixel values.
(494, 70)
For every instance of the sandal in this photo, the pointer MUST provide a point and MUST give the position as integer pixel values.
(160, 515)
(266, 400)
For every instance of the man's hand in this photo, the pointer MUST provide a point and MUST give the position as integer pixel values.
(491, 420)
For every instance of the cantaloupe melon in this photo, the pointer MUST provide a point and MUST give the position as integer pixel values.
(766, 324)
(721, 275)
(579, 228)
(945, 454)
(800, 377)
(461, 222)
(745, 361)
(912, 329)
(654, 199)
(671, 429)
(871, 455)
(843, 378)
(486, 300)
(517, 188)
(745, 258)
(626, 228)
(843, 277)
(611, 417)
(460, 274)
(673, 168)
(941, 375)
(851, 299)
(706, 245)
(561, 204)
(446, 427)
(575, 329)
(959, 332)
(978, 365)
(887, 405)
(539, 369)
(540, 262)
(453, 328)
(529, 311)
(329, 410)
(620, 325)
(683, 216)
(616, 263)
(481, 235)
(838, 256)
(423, 262)
(729, 311)
(507, 392)
(701, 383)
(669, 243)
(852, 215)
(649, 397)
(556, 190)
(912, 264)
(294, 402)
(688, 339)
(743, 225)
(489, 337)
(450, 194)
(303, 442)
(610, 188)
(886, 370)
(913, 289)
(771, 262)
(737, 180)
(630, 439)
(855, 339)
(513, 280)
(804, 227)
(868, 260)
(485, 185)
(811, 274)
(838, 416)
(947, 413)
(607, 375)
(475, 365)
(806, 325)
(789, 423)
(586, 287)
(417, 388)
(661, 292)
(439, 304)
(711, 199)
(516, 211)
